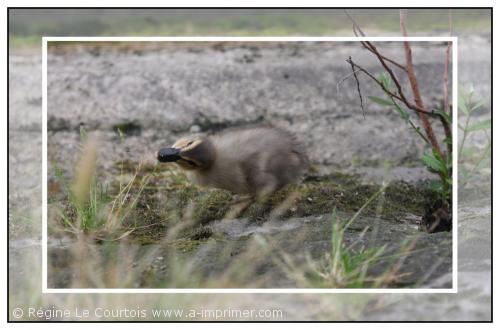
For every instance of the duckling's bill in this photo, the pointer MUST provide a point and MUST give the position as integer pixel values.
(166, 155)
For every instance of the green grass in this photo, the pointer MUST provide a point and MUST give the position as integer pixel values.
(156, 207)
(162, 196)
(345, 266)
(92, 208)
(472, 159)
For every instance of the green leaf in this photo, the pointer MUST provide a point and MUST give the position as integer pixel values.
(485, 124)
(431, 162)
(468, 151)
(442, 162)
(478, 104)
(462, 105)
(404, 115)
(384, 78)
(445, 115)
(436, 185)
(436, 155)
(484, 163)
(381, 101)
(434, 163)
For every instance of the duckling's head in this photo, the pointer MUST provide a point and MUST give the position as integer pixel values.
(189, 153)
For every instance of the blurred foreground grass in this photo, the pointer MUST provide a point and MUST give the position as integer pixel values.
(151, 210)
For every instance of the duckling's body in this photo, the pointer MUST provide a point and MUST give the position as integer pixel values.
(251, 161)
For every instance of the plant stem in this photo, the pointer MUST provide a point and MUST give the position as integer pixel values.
(466, 131)
(414, 85)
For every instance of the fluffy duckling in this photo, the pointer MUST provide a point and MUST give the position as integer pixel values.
(251, 161)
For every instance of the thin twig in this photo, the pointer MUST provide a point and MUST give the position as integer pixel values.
(354, 24)
(392, 94)
(352, 63)
(417, 129)
(483, 156)
(396, 82)
(357, 84)
(464, 136)
(382, 59)
(369, 46)
(343, 79)
(418, 106)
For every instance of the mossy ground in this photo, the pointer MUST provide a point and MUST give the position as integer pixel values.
(169, 199)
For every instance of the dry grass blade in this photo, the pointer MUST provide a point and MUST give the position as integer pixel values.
(84, 173)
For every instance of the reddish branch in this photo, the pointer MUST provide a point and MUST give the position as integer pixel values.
(417, 105)
(383, 59)
(414, 86)
(446, 103)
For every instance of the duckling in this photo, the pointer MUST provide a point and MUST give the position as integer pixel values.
(250, 161)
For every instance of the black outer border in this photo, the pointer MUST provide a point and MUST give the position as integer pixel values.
(243, 8)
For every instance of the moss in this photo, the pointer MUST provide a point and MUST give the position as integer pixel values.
(257, 210)
(212, 206)
(169, 198)
(184, 196)
(186, 245)
(201, 233)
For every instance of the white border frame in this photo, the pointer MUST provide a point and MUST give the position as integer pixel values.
(45, 40)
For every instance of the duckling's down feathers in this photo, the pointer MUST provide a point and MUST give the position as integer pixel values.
(253, 160)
